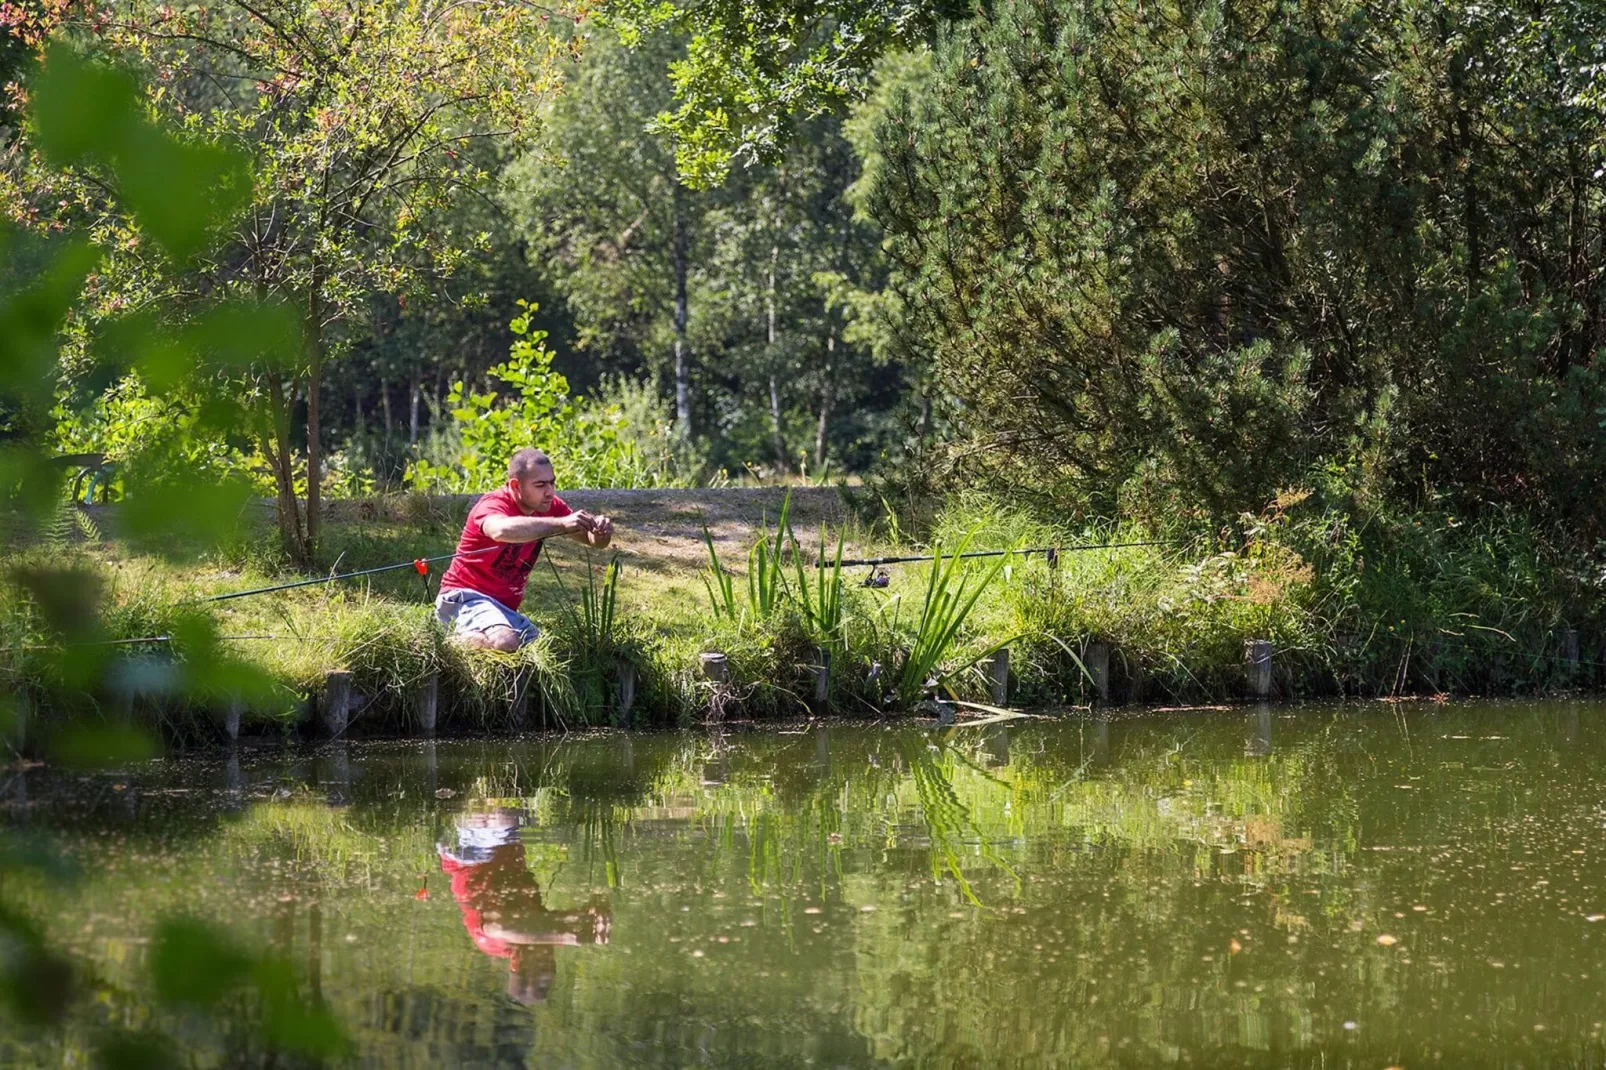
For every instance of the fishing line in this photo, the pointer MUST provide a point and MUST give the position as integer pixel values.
(417, 564)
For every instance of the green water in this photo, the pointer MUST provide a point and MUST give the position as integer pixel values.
(1318, 887)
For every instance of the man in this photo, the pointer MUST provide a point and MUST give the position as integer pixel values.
(482, 589)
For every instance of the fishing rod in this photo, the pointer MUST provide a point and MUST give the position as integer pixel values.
(419, 565)
(1051, 552)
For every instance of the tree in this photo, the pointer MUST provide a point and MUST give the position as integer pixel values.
(753, 71)
(611, 223)
(1210, 251)
(361, 117)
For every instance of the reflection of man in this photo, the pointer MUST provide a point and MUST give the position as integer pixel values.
(502, 907)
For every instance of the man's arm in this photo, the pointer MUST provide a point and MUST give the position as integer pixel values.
(535, 528)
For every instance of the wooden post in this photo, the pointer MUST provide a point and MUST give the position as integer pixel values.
(426, 703)
(335, 705)
(1135, 682)
(1569, 653)
(1257, 652)
(1098, 667)
(822, 677)
(716, 667)
(998, 676)
(624, 692)
(519, 708)
(22, 712)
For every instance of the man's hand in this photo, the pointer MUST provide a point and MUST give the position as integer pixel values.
(593, 530)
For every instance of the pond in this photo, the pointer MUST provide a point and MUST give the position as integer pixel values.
(1362, 886)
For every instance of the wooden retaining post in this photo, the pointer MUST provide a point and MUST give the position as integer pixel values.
(231, 717)
(998, 676)
(21, 714)
(335, 704)
(1257, 654)
(715, 667)
(519, 708)
(1097, 661)
(426, 703)
(1135, 682)
(822, 677)
(1569, 654)
(624, 691)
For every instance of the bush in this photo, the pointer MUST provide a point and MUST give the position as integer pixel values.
(623, 438)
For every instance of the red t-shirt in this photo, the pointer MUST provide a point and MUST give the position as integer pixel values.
(500, 573)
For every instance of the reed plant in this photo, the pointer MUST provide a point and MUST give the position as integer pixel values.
(936, 645)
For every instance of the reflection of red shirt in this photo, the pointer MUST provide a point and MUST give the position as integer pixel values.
(500, 883)
(498, 573)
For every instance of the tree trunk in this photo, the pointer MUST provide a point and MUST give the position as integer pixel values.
(772, 335)
(412, 413)
(314, 382)
(827, 394)
(682, 375)
(384, 403)
(281, 459)
(357, 423)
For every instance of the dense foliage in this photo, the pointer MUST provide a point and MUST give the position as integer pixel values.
(1213, 249)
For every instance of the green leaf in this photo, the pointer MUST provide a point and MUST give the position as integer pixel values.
(194, 964)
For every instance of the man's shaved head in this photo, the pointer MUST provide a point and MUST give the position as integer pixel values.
(523, 464)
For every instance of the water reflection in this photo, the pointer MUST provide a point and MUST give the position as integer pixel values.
(1409, 885)
(1259, 743)
(502, 905)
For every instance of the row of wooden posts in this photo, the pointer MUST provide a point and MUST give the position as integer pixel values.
(333, 703)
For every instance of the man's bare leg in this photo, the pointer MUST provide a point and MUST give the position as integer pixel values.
(499, 637)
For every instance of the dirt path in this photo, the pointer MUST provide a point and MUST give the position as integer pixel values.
(662, 529)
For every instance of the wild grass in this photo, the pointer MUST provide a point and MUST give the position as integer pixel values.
(1377, 606)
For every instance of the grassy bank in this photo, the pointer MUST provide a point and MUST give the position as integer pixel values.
(1381, 607)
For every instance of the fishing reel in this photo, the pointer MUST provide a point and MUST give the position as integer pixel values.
(878, 578)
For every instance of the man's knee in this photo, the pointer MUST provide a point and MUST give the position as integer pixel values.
(499, 637)
(504, 639)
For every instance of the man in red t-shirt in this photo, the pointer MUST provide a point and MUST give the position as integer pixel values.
(482, 589)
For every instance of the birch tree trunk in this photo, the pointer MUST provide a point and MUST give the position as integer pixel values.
(682, 371)
(827, 395)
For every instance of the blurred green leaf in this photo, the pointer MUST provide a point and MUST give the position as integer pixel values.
(192, 963)
(81, 109)
(241, 335)
(66, 598)
(178, 190)
(35, 982)
(30, 319)
(292, 1023)
(159, 502)
(123, 1050)
(85, 744)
